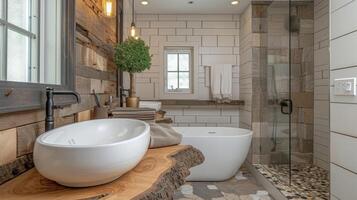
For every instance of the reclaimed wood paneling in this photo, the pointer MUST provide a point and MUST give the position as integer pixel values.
(94, 52)
(26, 136)
(8, 146)
(12, 120)
(99, 26)
(15, 168)
(89, 72)
(19, 119)
(103, 86)
(83, 85)
(87, 102)
(95, 69)
(62, 121)
(84, 116)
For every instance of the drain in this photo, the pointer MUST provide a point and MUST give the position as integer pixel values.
(71, 141)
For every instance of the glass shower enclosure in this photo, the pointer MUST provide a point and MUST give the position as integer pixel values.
(287, 75)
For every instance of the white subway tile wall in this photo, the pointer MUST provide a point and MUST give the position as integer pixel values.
(204, 116)
(218, 36)
(343, 43)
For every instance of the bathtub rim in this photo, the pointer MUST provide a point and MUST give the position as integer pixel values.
(242, 133)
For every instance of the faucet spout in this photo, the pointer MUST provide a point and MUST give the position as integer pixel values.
(75, 94)
(50, 105)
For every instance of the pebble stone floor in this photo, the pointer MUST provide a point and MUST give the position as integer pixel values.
(241, 187)
(307, 182)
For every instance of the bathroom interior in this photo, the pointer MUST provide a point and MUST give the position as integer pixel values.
(178, 99)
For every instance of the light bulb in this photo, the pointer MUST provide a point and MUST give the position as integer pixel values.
(144, 3)
(132, 31)
(234, 2)
(108, 8)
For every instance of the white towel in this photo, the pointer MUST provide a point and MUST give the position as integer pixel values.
(216, 72)
(226, 83)
(221, 82)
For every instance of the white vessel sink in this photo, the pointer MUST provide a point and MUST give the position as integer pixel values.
(91, 153)
(150, 104)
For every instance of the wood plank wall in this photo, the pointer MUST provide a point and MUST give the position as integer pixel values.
(95, 70)
(343, 109)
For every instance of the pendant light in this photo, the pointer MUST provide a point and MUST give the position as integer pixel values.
(108, 8)
(133, 26)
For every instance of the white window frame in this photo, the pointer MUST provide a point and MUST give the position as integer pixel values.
(31, 34)
(178, 51)
(192, 93)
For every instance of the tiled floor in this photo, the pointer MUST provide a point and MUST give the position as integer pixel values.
(242, 187)
(308, 181)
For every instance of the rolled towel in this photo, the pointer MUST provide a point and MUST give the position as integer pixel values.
(162, 135)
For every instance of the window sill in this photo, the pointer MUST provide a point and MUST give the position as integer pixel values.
(18, 97)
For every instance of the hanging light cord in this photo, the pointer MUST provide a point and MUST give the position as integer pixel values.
(133, 13)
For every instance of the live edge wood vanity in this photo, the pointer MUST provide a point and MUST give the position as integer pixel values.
(156, 177)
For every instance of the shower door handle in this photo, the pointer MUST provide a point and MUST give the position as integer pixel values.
(286, 104)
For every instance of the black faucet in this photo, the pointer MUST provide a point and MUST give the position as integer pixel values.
(122, 95)
(122, 92)
(50, 105)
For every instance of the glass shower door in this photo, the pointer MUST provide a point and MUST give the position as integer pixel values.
(277, 106)
(287, 78)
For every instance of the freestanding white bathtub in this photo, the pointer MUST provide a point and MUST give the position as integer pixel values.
(225, 150)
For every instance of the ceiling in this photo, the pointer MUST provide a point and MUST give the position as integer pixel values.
(183, 7)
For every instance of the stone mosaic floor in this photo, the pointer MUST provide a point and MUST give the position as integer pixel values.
(241, 187)
(308, 181)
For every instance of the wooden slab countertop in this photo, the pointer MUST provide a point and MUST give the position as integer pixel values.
(156, 177)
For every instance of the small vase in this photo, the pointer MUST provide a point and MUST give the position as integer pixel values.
(132, 102)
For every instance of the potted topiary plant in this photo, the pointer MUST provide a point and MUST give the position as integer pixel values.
(132, 56)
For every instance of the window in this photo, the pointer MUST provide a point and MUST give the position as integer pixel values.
(37, 50)
(179, 75)
(178, 65)
(30, 41)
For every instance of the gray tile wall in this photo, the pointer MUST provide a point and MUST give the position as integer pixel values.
(321, 84)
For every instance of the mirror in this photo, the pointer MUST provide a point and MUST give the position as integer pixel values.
(30, 41)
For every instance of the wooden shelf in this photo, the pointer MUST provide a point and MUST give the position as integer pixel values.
(198, 102)
(156, 177)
